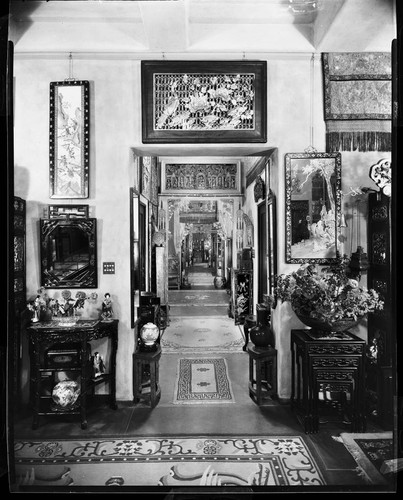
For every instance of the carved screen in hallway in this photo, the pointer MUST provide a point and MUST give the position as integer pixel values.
(201, 175)
(204, 101)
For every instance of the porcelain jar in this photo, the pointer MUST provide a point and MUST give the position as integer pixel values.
(149, 334)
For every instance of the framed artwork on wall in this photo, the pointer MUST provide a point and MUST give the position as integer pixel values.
(69, 139)
(200, 175)
(203, 101)
(313, 207)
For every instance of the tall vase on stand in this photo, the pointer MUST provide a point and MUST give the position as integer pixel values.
(261, 335)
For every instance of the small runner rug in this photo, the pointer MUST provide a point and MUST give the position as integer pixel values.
(370, 451)
(202, 381)
(165, 461)
(203, 334)
(191, 298)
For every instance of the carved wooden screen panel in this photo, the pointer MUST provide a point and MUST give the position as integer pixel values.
(380, 339)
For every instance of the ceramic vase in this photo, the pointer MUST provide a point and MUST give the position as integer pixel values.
(261, 335)
(149, 334)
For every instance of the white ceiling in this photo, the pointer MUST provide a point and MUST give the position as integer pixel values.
(240, 27)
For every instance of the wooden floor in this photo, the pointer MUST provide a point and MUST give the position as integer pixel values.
(241, 419)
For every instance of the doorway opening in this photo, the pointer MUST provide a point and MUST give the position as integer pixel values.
(201, 249)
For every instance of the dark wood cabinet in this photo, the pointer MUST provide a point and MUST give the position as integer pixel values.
(381, 341)
(53, 336)
(328, 379)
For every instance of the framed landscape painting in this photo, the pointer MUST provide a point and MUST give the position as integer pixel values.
(69, 139)
(203, 101)
(313, 207)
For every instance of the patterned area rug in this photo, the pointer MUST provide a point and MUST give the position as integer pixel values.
(202, 334)
(370, 451)
(166, 461)
(202, 381)
(198, 297)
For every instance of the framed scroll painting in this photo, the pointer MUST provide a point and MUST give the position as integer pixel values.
(204, 101)
(242, 295)
(313, 207)
(69, 139)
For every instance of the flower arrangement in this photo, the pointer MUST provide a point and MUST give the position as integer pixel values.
(42, 304)
(70, 304)
(329, 294)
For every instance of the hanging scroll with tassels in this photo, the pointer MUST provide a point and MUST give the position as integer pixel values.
(358, 101)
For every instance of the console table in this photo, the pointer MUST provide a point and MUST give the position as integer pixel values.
(328, 373)
(45, 335)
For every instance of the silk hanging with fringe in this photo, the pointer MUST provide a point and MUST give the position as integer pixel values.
(358, 101)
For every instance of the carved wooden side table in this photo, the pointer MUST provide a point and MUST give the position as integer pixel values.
(328, 374)
(45, 335)
(145, 363)
(262, 372)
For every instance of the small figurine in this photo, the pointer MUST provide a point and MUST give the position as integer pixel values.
(98, 364)
(107, 311)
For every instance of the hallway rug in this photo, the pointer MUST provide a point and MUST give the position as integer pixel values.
(198, 297)
(202, 334)
(370, 451)
(202, 381)
(166, 461)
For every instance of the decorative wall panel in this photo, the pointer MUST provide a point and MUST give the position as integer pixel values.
(204, 101)
(200, 175)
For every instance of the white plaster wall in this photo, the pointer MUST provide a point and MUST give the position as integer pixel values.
(114, 123)
(115, 128)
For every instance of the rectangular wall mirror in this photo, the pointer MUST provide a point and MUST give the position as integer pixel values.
(68, 253)
(313, 206)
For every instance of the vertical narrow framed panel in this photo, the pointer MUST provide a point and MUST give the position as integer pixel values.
(69, 139)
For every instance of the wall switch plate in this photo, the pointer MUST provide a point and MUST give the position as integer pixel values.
(109, 268)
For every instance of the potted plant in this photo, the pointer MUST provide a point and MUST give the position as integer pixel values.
(327, 299)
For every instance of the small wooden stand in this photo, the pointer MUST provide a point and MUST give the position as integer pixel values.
(142, 362)
(262, 372)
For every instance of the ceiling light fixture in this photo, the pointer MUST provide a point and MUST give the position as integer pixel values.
(304, 6)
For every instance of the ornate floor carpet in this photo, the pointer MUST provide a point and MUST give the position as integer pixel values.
(198, 297)
(202, 334)
(370, 451)
(165, 461)
(202, 381)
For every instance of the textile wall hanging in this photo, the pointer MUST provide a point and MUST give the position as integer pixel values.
(358, 101)
(69, 138)
(203, 101)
